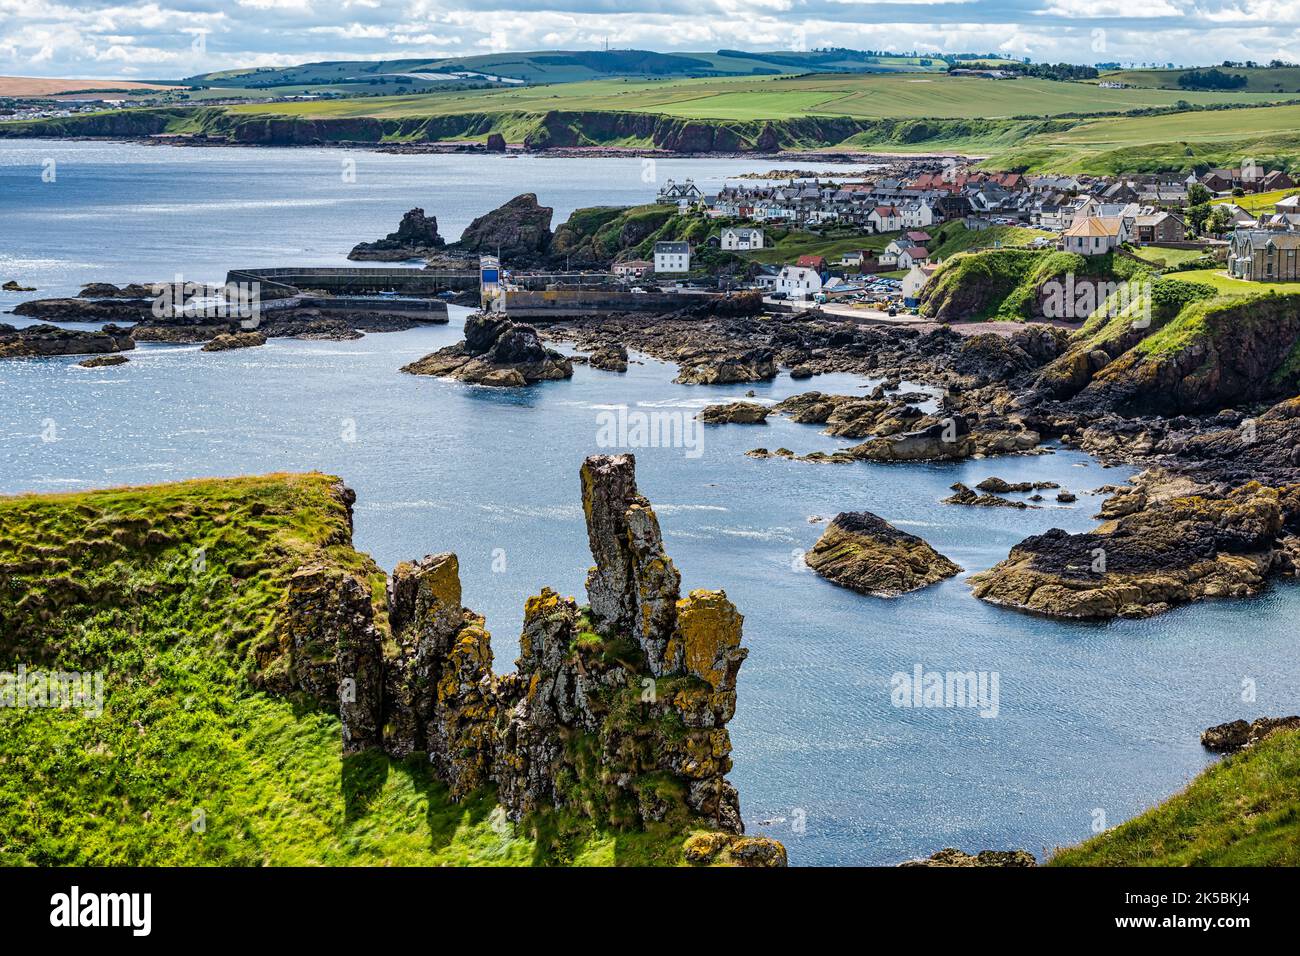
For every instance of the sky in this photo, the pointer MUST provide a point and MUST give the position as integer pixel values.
(169, 39)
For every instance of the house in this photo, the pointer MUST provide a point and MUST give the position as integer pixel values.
(798, 282)
(1220, 180)
(1096, 235)
(675, 194)
(918, 238)
(1160, 227)
(915, 280)
(633, 268)
(912, 256)
(1264, 255)
(885, 219)
(1290, 204)
(817, 263)
(917, 214)
(742, 239)
(1277, 179)
(672, 257)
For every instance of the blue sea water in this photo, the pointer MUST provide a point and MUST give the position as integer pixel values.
(1094, 721)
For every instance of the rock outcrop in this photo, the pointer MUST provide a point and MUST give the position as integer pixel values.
(751, 365)
(1172, 551)
(734, 413)
(13, 286)
(954, 857)
(519, 231)
(865, 553)
(617, 711)
(609, 358)
(416, 238)
(228, 341)
(104, 361)
(1239, 734)
(498, 352)
(42, 340)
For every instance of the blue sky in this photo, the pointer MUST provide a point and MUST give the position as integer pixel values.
(174, 38)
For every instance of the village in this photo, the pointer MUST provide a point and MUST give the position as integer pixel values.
(1245, 222)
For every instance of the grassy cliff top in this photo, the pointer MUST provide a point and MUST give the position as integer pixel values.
(1239, 812)
(169, 591)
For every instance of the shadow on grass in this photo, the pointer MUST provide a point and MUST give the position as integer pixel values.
(364, 776)
(441, 815)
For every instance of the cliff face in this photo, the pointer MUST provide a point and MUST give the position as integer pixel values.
(616, 711)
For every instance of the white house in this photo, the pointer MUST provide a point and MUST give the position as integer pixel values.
(885, 219)
(798, 282)
(672, 257)
(917, 214)
(915, 280)
(1097, 235)
(741, 239)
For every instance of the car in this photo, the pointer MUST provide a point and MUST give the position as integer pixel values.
(637, 290)
(779, 295)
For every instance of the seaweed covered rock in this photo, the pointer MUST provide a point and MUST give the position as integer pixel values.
(954, 857)
(495, 351)
(229, 341)
(1238, 734)
(1171, 551)
(865, 553)
(40, 340)
(750, 365)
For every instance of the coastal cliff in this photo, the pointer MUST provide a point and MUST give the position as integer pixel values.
(239, 632)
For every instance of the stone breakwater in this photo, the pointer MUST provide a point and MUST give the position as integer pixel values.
(617, 710)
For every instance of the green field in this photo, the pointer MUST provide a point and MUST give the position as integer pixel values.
(1166, 141)
(1259, 202)
(862, 96)
(1258, 79)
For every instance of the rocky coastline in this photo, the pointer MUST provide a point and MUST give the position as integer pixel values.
(617, 710)
(495, 352)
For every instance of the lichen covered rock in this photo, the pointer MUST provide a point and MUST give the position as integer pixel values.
(865, 553)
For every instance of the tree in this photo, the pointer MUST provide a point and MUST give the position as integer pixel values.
(1198, 195)
(1220, 220)
(1198, 215)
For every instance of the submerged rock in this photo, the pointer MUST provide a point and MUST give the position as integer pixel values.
(13, 286)
(954, 857)
(42, 340)
(863, 552)
(610, 358)
(495, 351)
(965, 496)
(104, 361)
(227, 341)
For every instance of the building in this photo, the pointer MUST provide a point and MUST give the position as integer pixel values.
(672, 257)
(816, 263)
(1160, 227)
(915, 280)
(1096, 235)
(633, 268)
(885, 219)
(1264, 255)
(912, 256)
(741, 240)
(798, 282)
(675, 194)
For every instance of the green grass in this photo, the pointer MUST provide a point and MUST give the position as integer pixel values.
(1243, 811)
(860, 96)
(1259, 202)
(1258, 80)
(1166, 256)
(1227, 285)
(172, 593)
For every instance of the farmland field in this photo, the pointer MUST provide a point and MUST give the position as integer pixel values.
(1258, 79)
(862, 96)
